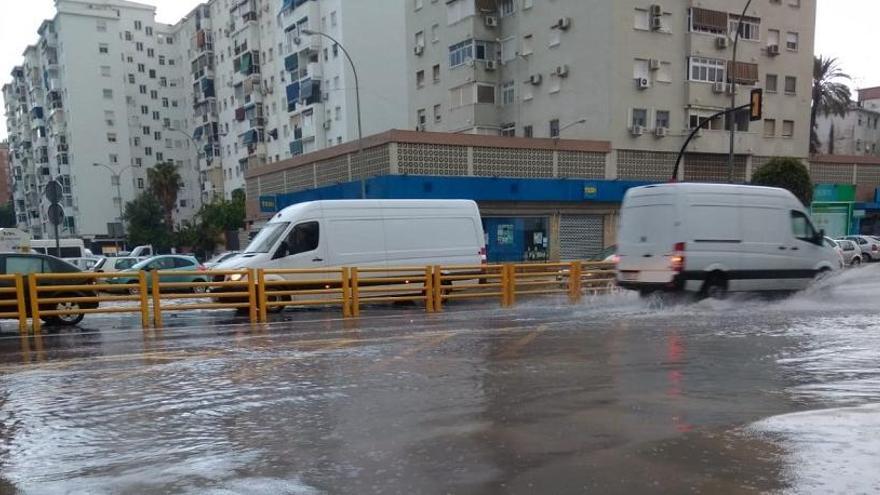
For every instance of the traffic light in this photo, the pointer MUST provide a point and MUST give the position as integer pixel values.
(756, 111)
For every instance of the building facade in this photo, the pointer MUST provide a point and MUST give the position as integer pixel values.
(637, 74)
(857, 132)
(5, 181)
(89, 107)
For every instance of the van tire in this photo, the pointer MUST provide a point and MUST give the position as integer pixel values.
(715, 286)
(276, 309)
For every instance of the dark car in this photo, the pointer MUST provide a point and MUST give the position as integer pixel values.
(25, 264)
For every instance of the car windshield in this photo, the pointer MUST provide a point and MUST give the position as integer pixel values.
(267, 237)
(125, 263)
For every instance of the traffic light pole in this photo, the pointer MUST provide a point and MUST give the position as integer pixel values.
(703, 123)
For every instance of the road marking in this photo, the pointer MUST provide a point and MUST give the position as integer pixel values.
(512, 350)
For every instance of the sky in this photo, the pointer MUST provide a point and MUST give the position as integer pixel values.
(843, 30)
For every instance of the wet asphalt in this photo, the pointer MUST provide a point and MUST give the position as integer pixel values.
(613, 395)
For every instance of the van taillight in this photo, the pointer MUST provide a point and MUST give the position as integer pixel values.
(483, 259)
(676, 258)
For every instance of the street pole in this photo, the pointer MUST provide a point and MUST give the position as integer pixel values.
(732, 117)
(118, 177)
(357, 98)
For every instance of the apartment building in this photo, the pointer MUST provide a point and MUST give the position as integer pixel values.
(857, 132)
(638, 74)
(264, 91)
(5, 186)
(89, 106)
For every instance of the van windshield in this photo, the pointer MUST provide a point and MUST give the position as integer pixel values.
(267, 237)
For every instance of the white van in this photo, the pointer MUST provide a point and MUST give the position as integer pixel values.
(70, 248)
(367, 233)
(713, 238)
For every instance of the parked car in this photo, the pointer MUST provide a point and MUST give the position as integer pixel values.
(713, 238)
(852, 255)
(837, 249)
(220, 258)
(170, 262)
(115, 264)
(869, 246)
(25, 264)
(85, 264)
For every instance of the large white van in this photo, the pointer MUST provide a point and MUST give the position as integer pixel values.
(367, 233)
(714, 238)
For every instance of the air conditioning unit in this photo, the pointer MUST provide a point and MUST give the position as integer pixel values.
(772, 50)
(661, 132)
(656, 10)
(719, 87)
(536, 79)
(563, 23)
(327, 124)
(491, 21)
(643, 83)
(656, 23)
(491, 65)
(419, 49)
(636, 130)
(654, 64)
(721, 42)
(562, 70)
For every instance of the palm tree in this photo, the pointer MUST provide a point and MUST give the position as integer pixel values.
(830, 96)
(165, 183)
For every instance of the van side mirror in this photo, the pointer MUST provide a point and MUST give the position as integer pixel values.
(819, 238)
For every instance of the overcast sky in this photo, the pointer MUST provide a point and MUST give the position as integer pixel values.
(844, 30)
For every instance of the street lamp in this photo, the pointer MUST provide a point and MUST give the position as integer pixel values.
(568, 126)
(732, 116)
(357, 86)
(116, 176)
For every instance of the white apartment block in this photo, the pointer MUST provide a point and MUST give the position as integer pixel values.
(639, 74)
(97, 88)
(857, 132)
(264, 91)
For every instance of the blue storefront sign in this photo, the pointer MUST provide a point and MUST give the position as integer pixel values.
(268, 204)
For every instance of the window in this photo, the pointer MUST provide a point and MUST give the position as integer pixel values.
(792, 41)
(128, 36)
(304, 238)
(137, 25)
(169, 40)
(528, 39)
(707, 69)
(139, 46)
(102, 26)
(151, 53)
(157, 135)
(420, 79)
(103, 48)
(145, 110)
(136, 141)
(769, 128)
(708, 21)
(696, 118)
(337, 113)
(457, 10)
(507, 7)
(108, 94)
(138, 162)
(333, 18)
(436, 73)
(787, 128)
(111, 137)
(131, 79)
(508, 49)
(485, 93)
(508, 130)
(161, 59)
(801, 227)
(661, 119)
(749, 28)
(528, 131)
(642, 20)
(435, 33)
(154, 94)
(421, 117)
(105, 71)
(148, 31)
(160, 157)
(640, 69)
(420, 38)
(790, 85)
(508, 93)
(146, 130)
(438, 114)
(148, 151)
(460, 53)
(143, 89)
(141, 68)
(554, 128)
(152, 74)
(773, 37)
(23, 265)
(639, 117)
(771, 83)
(165, 102)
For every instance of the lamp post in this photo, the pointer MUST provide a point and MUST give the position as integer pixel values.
(732, 116)
(116, 176)
(567, 126)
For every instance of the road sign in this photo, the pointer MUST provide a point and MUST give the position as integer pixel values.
(756, 111)
(54, 191)
(56, 214)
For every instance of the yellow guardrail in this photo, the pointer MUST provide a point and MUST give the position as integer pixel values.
(54, 295)
(392, 284)
(463, 282)
(598, 278)
(240, 294)
(279, 288)
(12, 300)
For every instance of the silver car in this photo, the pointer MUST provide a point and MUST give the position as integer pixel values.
(852, 255)
(869, 246)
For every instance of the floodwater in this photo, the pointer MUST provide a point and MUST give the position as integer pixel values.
(611, 396)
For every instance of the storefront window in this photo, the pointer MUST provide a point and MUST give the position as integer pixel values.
(517, 239)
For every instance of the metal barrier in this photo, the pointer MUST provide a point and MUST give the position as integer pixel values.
(13, 298)
(392, 285)
(598, 278)
(542, 279)
(237, 294)
(60, 290)
(304, 287)
(464, 282)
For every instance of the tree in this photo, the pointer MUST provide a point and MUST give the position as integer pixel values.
(165, 183)
(215, 219)
(830, 95)
(145, 222)
(7, 215)
(831, 140)
(787, 173)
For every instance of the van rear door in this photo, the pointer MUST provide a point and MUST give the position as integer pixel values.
(647, 238)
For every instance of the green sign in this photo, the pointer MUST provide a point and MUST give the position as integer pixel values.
(834, 218)
(834, 193)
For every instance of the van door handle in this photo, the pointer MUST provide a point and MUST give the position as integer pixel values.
(317, 260)
(795, 248)
(782, 248)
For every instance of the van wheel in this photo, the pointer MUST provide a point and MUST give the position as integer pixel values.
(276, 309)
(715, 287)
(822, 274)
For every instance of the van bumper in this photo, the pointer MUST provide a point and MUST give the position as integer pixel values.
(676, 285)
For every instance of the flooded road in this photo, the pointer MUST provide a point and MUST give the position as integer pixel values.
(611, 396)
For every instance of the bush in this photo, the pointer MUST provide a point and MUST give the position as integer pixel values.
(786, 173)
